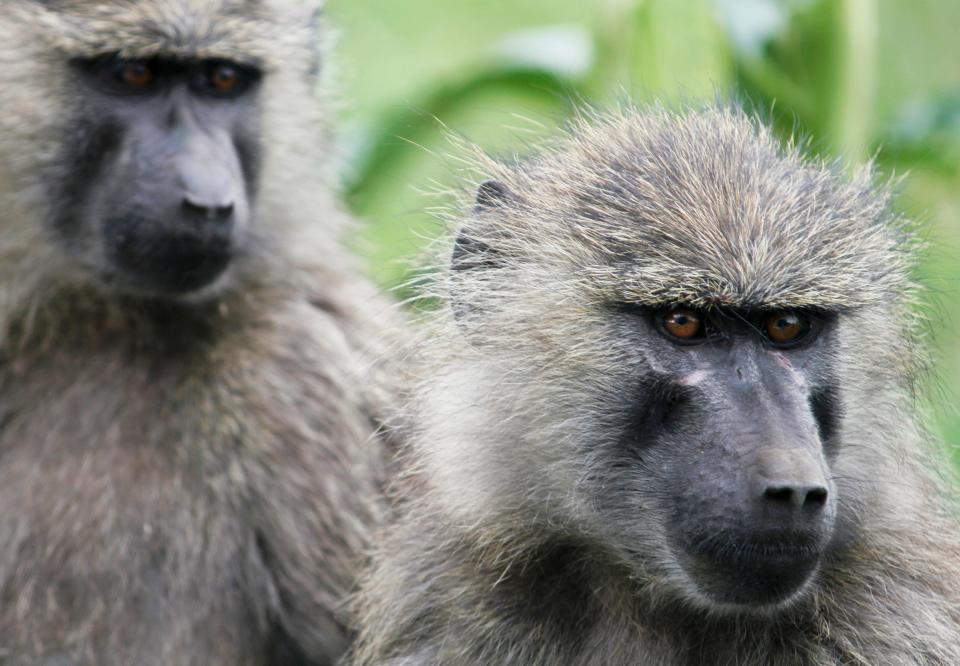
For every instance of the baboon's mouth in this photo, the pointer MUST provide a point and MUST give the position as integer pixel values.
(167, 261)
(752, 572)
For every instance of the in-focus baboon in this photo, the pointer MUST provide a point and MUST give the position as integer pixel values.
(188, 406)
(668, 419)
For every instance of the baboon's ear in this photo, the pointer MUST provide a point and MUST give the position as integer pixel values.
(311, 14)
(491, 194)
(473, 249)
(307, 14)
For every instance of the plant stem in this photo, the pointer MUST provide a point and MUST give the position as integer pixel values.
(853, 98)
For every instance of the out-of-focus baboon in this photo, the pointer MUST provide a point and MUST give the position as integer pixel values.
(189, 456)
(668, 419)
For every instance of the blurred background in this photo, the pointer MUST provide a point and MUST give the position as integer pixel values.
(860, 78)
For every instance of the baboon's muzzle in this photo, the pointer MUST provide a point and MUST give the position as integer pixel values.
(174, 217)
(754, 506)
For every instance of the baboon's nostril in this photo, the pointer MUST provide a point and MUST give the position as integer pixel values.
(797, 496)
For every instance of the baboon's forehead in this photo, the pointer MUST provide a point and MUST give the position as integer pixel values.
(261, 31)
(705, 208)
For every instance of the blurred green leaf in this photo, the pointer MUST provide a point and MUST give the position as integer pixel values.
(815, 70)
(639, 51)
(926, 134)
(409, 153)
(402, 129)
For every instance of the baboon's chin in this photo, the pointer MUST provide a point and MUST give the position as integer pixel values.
(752, 579)
(191, 288)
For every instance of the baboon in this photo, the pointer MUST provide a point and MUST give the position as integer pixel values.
(190, 396)
(668, 416)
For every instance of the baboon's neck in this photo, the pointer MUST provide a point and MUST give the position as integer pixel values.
(84, 318)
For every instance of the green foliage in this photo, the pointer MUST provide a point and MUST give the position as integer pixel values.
(857, 79)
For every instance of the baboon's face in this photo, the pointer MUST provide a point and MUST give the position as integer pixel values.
(135, 138)
(727, 431)
(160, 165)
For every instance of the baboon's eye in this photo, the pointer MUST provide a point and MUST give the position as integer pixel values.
(220, 78)
(122, 75)
(224, 78)
(786, 328)
(134, 73)
(683, 324)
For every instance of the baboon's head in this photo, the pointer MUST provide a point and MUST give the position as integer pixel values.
(676, 339)
(133, 134)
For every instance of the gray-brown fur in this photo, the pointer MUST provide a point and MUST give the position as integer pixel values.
(182, 482)
(515, 545)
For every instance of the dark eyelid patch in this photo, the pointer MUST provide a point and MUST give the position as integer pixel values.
(100, 70)
(755, 318)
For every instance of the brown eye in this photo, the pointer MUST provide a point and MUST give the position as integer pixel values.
(786, 327)
(135, 73)
(224, 78)
(684, 324)
(114, 75)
